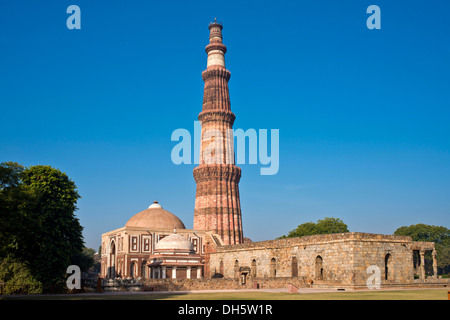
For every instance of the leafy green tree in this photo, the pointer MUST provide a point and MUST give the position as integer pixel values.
(18, 202)
(438, 234)
(10, 174)
(17, 227)
(60, 236)
(38, 228)
(325, 226)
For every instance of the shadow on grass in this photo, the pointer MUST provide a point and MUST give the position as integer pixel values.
(99, 296)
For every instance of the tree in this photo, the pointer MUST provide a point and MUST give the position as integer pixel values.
(438, 234)
(325, 226)
(60, 238)
(10, 174)
(38, 228)
(17, 278)
(18, 225)
(84, 259)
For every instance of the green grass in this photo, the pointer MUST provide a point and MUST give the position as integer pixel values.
(384, 295)
(431, 294)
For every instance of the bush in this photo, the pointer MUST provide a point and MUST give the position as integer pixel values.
(15, 278)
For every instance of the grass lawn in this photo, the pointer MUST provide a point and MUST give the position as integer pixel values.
(425, 294)
(366, 295)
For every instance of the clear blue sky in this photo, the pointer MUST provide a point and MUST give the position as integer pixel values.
(363, 114)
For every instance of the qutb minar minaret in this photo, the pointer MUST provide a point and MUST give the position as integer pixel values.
(217, 205)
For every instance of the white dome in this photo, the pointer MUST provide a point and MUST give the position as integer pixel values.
(155, 204)
(174, 242)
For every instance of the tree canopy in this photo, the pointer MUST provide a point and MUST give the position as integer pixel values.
(325, 226)
(438, 234)
(38, 226)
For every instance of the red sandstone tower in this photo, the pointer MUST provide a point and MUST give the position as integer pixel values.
(217, 205)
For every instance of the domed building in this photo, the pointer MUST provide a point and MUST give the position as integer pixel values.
(144, 246)
(175, 257)
(155, 217)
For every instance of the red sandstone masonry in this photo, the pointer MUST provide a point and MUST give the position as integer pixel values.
(217, 204)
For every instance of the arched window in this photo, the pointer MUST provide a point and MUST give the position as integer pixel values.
(273, 268)
(254, 273)
(294, 267)
(319, 268)
(387, 262)
(236, 269)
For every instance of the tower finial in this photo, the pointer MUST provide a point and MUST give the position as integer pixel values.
(216, 24)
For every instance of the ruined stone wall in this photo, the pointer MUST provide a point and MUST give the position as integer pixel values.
(393, 258)
(279, 261)
(334, 259)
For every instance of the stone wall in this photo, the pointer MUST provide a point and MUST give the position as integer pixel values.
(394, 260)
(121, 285)
(219, 284)
(332, 259)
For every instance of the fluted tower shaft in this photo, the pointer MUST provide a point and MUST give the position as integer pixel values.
(217, 205)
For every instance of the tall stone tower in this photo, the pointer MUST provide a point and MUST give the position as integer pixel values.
(217, 205)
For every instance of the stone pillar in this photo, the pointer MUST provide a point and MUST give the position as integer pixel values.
(163, 272)
(174, 272)
(199, 272)
(422, 264)
(188, 273)
(434, 264)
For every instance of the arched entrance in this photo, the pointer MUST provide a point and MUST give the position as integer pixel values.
(273, 268)
(112, 260)
(254, 273)
(387, 264)
(319, 268)
(133, 269)
(144, 269)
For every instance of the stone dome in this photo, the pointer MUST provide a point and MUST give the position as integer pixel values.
(155, 218)
(174, 242)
